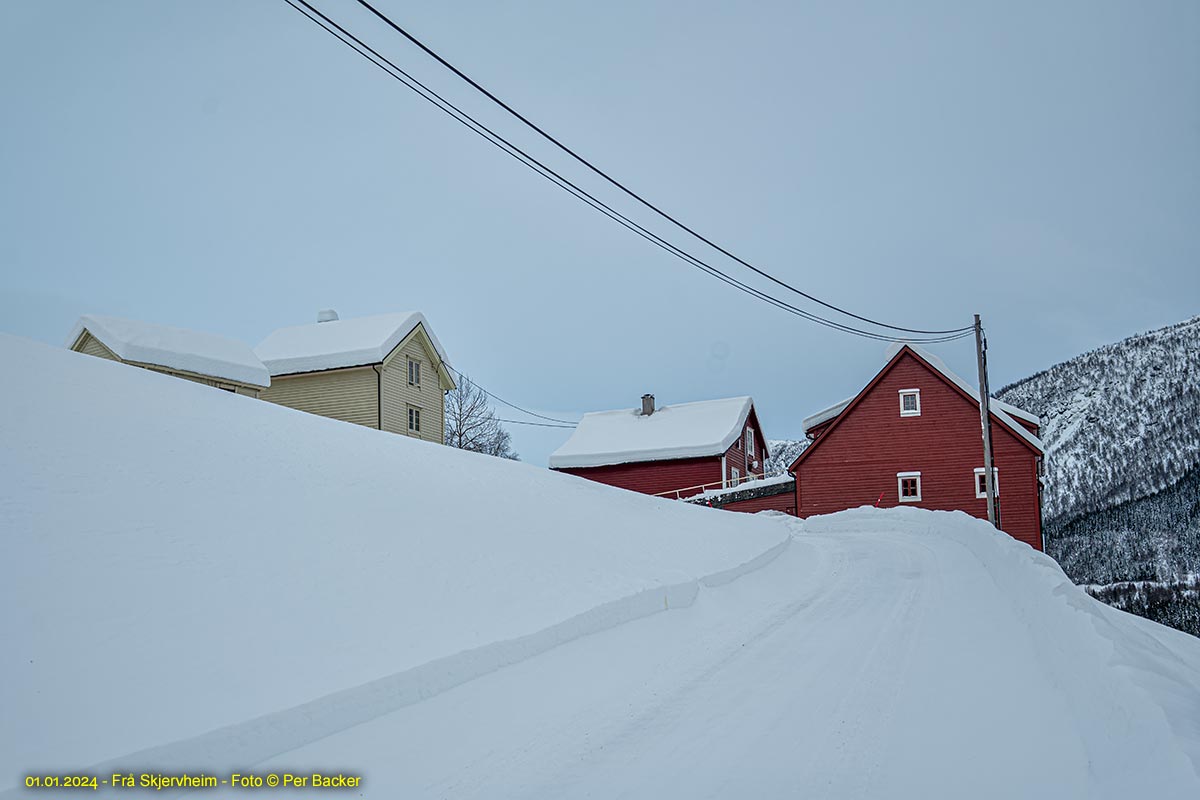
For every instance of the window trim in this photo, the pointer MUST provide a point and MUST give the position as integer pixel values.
(735, 475)
(414, 420)
(900, 477)
(982, 495)
(914, 393)
(749, 442)
(414, 371)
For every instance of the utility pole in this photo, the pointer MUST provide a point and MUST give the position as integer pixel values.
(985, 417)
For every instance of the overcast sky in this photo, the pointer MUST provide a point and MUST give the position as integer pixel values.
(228, 166)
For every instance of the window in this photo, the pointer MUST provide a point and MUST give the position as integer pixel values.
(910, 402)
(735, 475)
(750, 443)
(981, 482)
(414, 373)
(414, 419)
(908, 485)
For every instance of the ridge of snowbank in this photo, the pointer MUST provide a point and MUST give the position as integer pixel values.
(192, 561)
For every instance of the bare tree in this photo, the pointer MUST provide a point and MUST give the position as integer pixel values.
(472, 425)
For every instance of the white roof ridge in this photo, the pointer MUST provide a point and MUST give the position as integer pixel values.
(337, 344)
(180, 349)
(681, 430)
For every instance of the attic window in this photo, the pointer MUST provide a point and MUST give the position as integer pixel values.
(908, 486)
(414, 373)
(981, 482)
(910, 402)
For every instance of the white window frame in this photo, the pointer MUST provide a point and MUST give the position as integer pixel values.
(735, 475)
(414, 420)
(750, 443)
(981, 493)
(906, 393)
(414, 372)
(900, 476)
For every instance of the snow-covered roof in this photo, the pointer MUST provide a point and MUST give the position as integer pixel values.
(685, 430)
(826, 414)
(745, 486)
(340, 343)
(1003, 411)
(175, 348)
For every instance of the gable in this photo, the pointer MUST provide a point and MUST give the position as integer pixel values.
(90, 345)
(420, 337)
(880, 402)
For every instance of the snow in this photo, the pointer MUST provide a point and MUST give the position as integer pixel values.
(180, 561)
(175, 348)
(199, 581)
(745, 486)
(895, 653)
(340, 343)
(685, 430)
(825, 414)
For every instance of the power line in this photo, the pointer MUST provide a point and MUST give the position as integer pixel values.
(468, 379)
(374, 57)
(535, 424)
(634, 194)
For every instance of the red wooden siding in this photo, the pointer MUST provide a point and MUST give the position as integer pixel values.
(855, 462)
(652, 477)
(735, 456)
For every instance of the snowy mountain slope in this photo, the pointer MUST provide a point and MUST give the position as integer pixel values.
(783, 453)
(1120, 423)
(221, 578)
(887, 653)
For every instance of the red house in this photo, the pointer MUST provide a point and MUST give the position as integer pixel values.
(912, 437)
(675, 451)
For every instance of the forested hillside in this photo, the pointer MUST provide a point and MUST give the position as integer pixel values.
(1119, 423)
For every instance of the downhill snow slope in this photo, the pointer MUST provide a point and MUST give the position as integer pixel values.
(179, 560)
(892, 653)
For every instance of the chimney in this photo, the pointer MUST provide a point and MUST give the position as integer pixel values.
(327, 315)
(647, 405)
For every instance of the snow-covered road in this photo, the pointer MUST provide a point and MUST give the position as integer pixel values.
(872, 663)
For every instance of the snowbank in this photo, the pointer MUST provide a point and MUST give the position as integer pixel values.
(200, 577)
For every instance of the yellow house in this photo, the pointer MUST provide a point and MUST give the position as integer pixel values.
(201, 357)
(386, 371)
